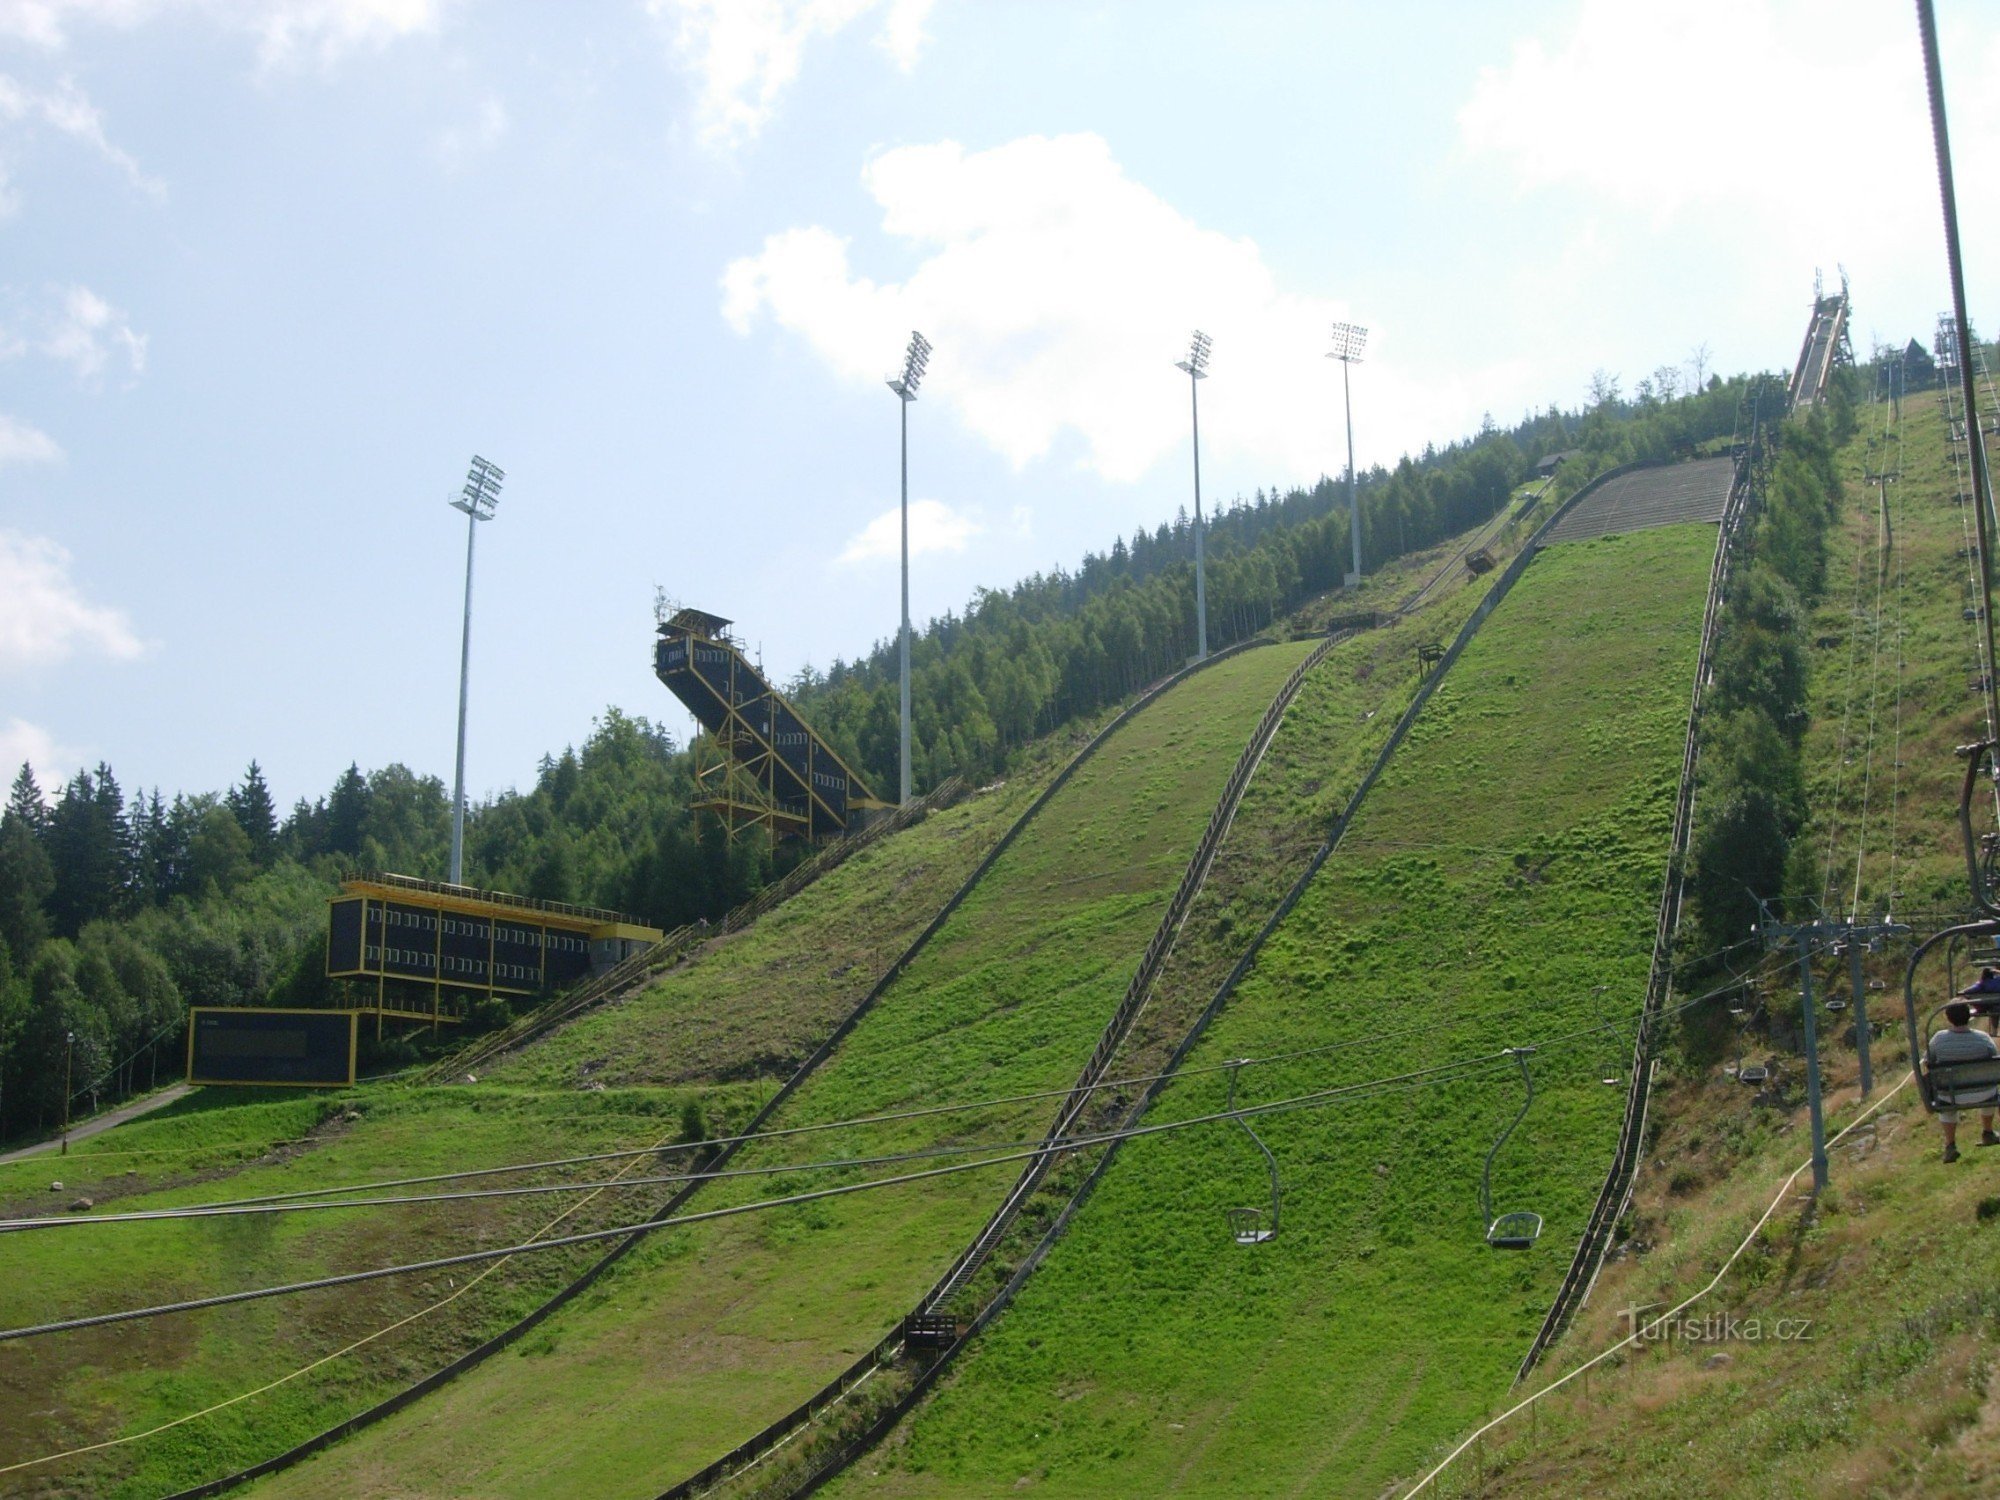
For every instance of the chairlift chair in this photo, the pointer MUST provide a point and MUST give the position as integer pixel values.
(1520, 1229)
(1252, 1226)
(1973, 1083)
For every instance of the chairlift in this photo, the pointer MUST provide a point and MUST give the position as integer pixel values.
(1836, 1006)
(1972, 1083)
(1753, 1073)
(1252, 1226)
(1517, 1230)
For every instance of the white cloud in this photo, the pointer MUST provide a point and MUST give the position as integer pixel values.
(65, 108)
(90, 336)
(43, 617)
(934, 527)
(54, 763)
(1658, 111)
(23, 444)
(902, 35)
(1058, 293)
(460, 143)
(746, 53)
(286, 30)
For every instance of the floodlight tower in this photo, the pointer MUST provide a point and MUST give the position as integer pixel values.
(479, 499)
(1349, 339)
(905, 386)
(1196, 365)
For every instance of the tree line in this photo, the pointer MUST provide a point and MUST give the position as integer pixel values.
(117, 913)
(1057, 647)
(1752, 803)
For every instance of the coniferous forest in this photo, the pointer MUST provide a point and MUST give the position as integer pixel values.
(120, 907)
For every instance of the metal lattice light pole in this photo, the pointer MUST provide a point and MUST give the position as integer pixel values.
(478, 500)
(1349, 339)
(1196, 365)
(905, 386)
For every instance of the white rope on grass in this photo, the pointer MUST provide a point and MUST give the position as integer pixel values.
(1638, 1333)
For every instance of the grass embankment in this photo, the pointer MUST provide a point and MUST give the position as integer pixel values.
(1508, 863)
(707, 1333)
(1881, 1379)
(1334, 728)
(765, 994)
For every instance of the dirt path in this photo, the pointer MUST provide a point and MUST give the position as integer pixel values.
(104, 1122)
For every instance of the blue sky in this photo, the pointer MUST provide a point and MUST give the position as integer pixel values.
(274, 271)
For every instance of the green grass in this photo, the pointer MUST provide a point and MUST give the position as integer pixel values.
(1508, 863)
(83, 1387)
(1893, 1392)
(757, 1002)
(708, 1333)
(766, 990)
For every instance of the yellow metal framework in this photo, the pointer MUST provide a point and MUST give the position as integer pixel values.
(588, 923)
(736, 764)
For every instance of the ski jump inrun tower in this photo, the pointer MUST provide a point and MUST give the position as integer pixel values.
(1826, 347)
(760, 764)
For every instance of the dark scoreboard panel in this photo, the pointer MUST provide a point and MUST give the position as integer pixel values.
(293, 1048)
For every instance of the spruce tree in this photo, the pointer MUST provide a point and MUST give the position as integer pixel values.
(255, 814)
(88, 845)
(346, 808)
(26, 881)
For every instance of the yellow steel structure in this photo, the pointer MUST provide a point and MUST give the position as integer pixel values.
(759, 764)
(454, 937)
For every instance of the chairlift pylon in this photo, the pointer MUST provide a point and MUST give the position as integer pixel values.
(1251, 1226)
(1520, 1229)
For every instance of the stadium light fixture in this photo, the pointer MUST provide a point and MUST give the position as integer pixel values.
(915, 359)
(1196, 368)
(479, 499)
(1349, 339)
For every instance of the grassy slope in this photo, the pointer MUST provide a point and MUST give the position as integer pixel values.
(708, 1333)
(1326, 741)
(1893, 1391)
(1509, 862)
(775, 983)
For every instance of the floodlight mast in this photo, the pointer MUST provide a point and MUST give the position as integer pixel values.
(915, 358)
(1349, 339)
(479, 499)
(1196, 365)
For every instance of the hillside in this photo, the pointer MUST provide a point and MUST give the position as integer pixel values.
(775, 982)
(1498, 885)
(1844, 1346)
(1006, 1000)
(1152, 1353)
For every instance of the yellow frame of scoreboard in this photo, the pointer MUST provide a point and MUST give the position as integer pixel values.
(442, 917)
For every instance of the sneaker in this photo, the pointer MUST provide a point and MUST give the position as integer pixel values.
(1988, 1138)
(1950, 1154)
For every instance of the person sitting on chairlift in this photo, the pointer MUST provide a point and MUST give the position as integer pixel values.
(1960, 1043)
(1984, 993)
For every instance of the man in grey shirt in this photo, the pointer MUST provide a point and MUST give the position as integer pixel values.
(1958, 1042)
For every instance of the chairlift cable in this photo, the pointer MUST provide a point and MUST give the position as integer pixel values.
(1421, 1078)
(307, 1201)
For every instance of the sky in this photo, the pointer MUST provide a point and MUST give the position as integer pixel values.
(272, 271)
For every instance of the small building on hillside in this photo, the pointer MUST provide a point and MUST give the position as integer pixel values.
(429, 946)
